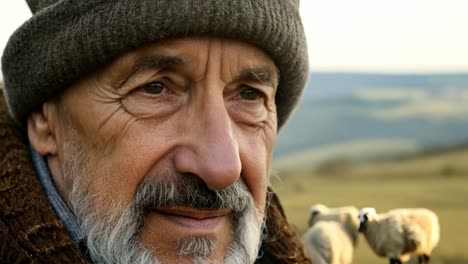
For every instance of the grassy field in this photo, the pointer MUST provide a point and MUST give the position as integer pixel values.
(438, 181)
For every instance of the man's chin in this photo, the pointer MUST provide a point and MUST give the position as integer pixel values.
(226, 241)
(179, 234)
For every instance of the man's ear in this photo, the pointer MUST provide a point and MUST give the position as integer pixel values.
(41, 130)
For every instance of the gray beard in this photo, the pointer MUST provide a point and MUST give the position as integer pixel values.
(114, 238)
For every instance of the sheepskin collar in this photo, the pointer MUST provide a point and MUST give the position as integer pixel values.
(30, 232)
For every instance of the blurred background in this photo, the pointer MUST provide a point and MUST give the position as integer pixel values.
(384, 118)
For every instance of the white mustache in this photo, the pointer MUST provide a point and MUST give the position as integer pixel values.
(190, 191)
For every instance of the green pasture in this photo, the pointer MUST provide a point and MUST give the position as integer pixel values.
(438, 181)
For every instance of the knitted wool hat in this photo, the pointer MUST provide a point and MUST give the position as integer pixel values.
(67, 39)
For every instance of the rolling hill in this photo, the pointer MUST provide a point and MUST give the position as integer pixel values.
(341, 108)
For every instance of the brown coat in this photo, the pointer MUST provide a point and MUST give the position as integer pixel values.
(30, 232)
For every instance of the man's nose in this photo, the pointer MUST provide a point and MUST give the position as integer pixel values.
(210, 150)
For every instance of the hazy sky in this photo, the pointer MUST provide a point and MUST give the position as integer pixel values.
(359, 35)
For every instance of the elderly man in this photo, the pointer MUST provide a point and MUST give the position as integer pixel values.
(142, 131)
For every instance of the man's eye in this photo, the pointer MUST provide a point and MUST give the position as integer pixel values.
(251, 94)
(153, 88)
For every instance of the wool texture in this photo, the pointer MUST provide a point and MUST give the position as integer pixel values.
(30, 232)
(67, 39)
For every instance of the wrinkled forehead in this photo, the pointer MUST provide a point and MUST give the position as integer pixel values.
(191, 54)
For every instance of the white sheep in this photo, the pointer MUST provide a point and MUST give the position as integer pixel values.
(346, 216)
(332, 234)
(327, 243)
(400, 232)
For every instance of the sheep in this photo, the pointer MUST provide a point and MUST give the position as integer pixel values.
(327, 243)
(346, 216)
(332, 234)
(400, 232)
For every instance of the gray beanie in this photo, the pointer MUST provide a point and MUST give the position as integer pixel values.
(67, 39)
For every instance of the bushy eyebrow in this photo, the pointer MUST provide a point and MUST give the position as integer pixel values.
(264, 75)
(152, 62)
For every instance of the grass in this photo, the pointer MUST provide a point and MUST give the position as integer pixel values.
(438, 181)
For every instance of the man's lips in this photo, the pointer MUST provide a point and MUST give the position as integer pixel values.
(199, 220)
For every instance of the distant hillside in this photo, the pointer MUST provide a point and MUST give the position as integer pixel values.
(355, 151)
(332, 84)
(338, 108)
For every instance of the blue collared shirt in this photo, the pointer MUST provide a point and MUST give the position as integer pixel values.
(60, 207)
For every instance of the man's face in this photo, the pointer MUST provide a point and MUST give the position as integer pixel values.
(187, 112)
